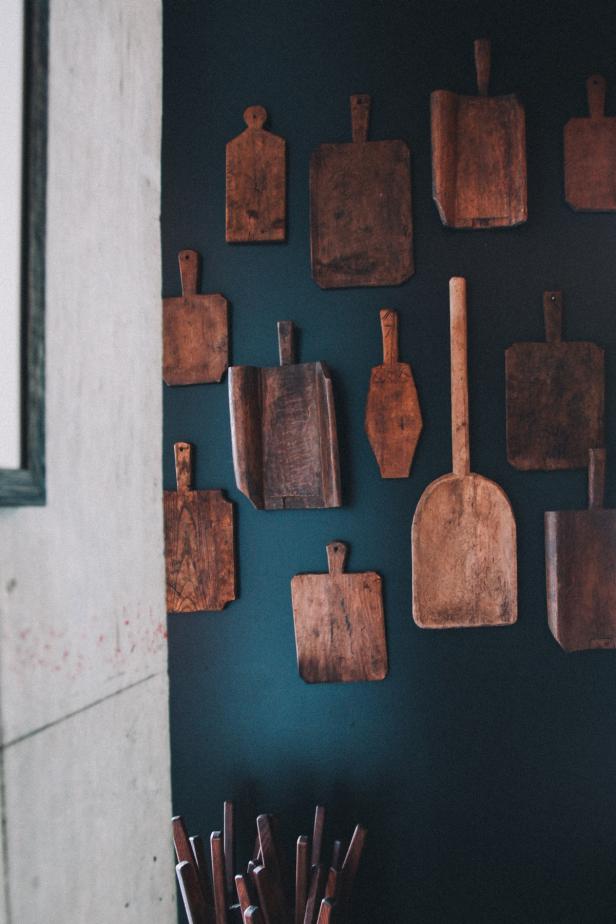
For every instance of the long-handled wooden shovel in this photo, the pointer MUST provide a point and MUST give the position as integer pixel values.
(463, 536)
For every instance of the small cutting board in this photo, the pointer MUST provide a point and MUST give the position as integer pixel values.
(393, 416)
(283, 431)
(555, 397)
(339, 623)
(256, 182)
(199, 543)
(580, 563)
(195, 330)
(361, 226)
(590, 155)
(478, 154)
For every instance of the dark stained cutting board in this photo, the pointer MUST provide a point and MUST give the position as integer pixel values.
(478, 154)
(361, 226)
(393, 417)
(590, 155)
(339, 623)
(256, 182)
(283, 431)
(199, 543)
(555, 397)
(195, 330)
(464, 536)
(580, 562)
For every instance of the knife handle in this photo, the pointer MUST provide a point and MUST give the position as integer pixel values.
(595, 89)
(189, 267)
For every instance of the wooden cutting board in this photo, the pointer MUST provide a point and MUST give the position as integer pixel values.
(283, 431)
(393, 416)
(339, 623)
(463, 535)
(478, 154)
(590, 155)
(555, 397)
(199, 543)
(580, 563)
(361, 226)
(195, 330)
(256, 182)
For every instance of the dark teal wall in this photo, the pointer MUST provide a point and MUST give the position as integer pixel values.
(484, 765)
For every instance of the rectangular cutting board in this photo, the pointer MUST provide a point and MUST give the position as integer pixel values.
(590, 155)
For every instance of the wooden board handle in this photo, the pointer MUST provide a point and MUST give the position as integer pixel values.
(255, 116)
(189, 268)
(286, 343)
(553, 316)
(360, 117)
(336, 557)
(183, 466)
(596, 478)
(483, 57)
(595, 89)
(389, 330)
(459, 376)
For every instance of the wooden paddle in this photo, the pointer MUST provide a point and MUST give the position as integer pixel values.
(361, 226)
(464, 535)
(555, 397)
(199, 543)
(590, 155)
(195, 330)
(580, 562)
(339, 624)
(393, 417)
(478, 154)
(256, 182)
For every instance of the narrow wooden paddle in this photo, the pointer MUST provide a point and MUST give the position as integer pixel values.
(590, 155)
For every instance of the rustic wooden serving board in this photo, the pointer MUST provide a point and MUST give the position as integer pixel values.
(590, 155)
(195, 331)
(283, 431)
(256, 182)
(479, 154)
(463, 536)
(361, 226)
(393, 417)
(199, 543)
(580, 562)
(555, 397)
(339, 623)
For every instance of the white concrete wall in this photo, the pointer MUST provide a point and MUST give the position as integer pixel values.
(83, 683)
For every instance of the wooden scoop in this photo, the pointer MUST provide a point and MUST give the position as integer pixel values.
(590, 155)
(464, 535)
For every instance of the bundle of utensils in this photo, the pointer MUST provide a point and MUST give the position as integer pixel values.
(214, 894)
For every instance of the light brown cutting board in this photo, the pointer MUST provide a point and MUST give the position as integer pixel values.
(590, 155)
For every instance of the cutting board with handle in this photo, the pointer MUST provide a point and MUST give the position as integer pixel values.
(464, 535)
(199, 543)
(339, 623)
(555, 397)
(195, 330)
(590, 155)
(479, 154)
(580, 564)
(393, 417)
(283, 431)
(361, 226)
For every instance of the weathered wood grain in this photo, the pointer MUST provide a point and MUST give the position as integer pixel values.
(195, 331)
(393, 419)
(339, 623)
(463, 535)
(361, 226)
(302, 868)
(283, 432)
(256, 182)
(580, 561)
(199, 543)
(555, 397)
(315, 894)
(218, 877)
(590, 155)
(478, 154)
(350, 865)
(326, 913)
(191, 893)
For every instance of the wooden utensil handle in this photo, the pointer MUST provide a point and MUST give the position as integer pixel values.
(336, 558)
(360, 117)
(255, 116)
(483, 58)
(595, 89)
(389, 330)
(286, 343)
(596, 478)
(459, 376)
(553, 316)
(189, 269)
(183, 466)
(301, 878)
